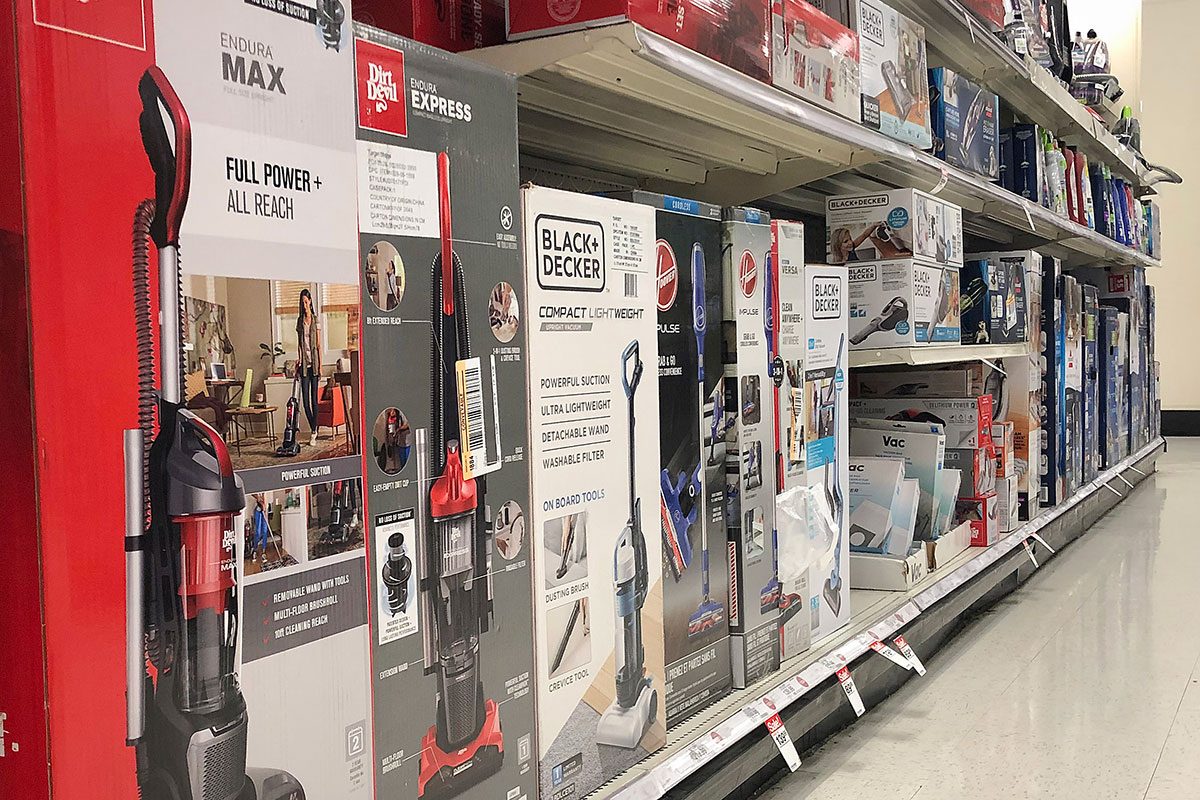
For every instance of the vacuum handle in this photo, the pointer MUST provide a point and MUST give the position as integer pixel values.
(445, 233)
(630, 380)
(196, 435)
(167, 139)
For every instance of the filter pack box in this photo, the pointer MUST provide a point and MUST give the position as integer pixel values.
(815, 56)
(902, 304)
(965, 119)
(994, 298)
(921, 447)
(893, 224)
(967, 421)
(875, 486)
(447, 477)
(736, 33)
(749, 462)
(688, 279)
(600, 672)
(895, 85)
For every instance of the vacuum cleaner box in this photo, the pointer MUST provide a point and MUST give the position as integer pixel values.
(598, 594)
(736, 33)
(691, 451)
(1071, 369)
(977, 468)
(995, 298)
(1091, 389)
(920, 446)
(983, 515)
(875, 485)
(448, 483)
(966, 123)
(1026, 397)
(913, 383)
(902, 304)
(1007, 517)
(893, 224)
(449, 26)
(749, 465)
(1028, 164)
(1111, 379)
(815, 56)
(967, 421)
(895, 83)
(1051, 489)
(949, 483)
(1003, 444)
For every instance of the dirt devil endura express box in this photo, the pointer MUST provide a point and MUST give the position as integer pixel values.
(594, 464)
(688, 277)
(444, 402)
(749, 464)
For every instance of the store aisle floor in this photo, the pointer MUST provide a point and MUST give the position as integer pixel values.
(1085, 683)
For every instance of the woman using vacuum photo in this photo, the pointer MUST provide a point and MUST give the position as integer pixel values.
(308, 365)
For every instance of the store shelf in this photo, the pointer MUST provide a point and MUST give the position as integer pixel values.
(619, 105)
(725, 749)
(924, 356)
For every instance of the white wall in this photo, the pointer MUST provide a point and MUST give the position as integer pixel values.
(1170, 118)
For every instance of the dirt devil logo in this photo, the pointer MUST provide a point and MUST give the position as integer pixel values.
(668, 275)
(747, 274)
(380, 73)
(381, 88)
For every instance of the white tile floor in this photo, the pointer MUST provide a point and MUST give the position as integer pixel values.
(1085, 683)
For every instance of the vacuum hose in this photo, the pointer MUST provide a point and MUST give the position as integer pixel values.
(147, 398)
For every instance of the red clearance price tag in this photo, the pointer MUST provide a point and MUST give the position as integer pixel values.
(907, 650)
(783, 740)
(847, 681)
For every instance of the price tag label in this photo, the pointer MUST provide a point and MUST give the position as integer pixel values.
(1028, 217)
(847, 681)
(783, 740)
(1029, 552)
(891, 655)
(941, 184)
(907, 650)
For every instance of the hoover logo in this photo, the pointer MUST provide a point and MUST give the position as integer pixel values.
(667, 281)
(380, 78)
(747, 274)
(870, 23)
(570, 253)
(826, 297)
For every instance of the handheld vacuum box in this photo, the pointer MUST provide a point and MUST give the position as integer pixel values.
(594, 463)
(893, 224)
(749, 462)
(814, 56)
(902, 304)
(895, 83)
(688, 281)
(966, 123)
(445, 388)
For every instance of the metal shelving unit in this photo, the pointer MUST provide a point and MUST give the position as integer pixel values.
(933, 354)
(619, 105)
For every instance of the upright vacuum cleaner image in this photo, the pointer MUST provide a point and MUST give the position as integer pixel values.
(186, 717)
(833, 487)
(709, 614)
(291, 428)
(624, 723)
(769, 595)
(464, 745)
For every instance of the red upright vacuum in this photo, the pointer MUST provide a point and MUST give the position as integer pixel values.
(465, 744)
(186, 716)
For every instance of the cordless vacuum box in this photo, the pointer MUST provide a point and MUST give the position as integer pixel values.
(749, 458)
(1071, 370)
(893, 224)
(1052, 469)
(895, 83)
(966, 123)
(902, 303)
(994, 298)
(444, 396)
(688, 277)
(736, 33)
(600, 673)
(1112, 373)
(814, 56)
(1091, 389)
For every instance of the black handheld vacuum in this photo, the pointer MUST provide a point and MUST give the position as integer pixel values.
(465, 744)
(186, 717)
(893, 313)
(291, 427)
(624, 723)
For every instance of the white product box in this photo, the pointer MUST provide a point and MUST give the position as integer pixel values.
(948, 545)
(815, 56)
(594, 467)
(749, 463)
(967, 421)
(895, 80)
(947, 493)
(875, 485)
(921, 448)
(1003, 443)
(893, 224)
(903, 303)
(904, 518)
(887, 573)
(1007, 504)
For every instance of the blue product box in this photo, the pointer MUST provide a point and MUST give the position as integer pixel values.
(1111, 379)
(965, 119)
(1091, 375)
(1053, 340)
(1027, 161)
(1102, 200)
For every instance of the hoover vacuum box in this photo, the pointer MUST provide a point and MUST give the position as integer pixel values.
(814, 56)
(688, 282)
(444, 374)
(736, 33)
(902, 304)
(893, 224)
(966, 123)
(895, 82)
(594, 463)
(749, 465)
